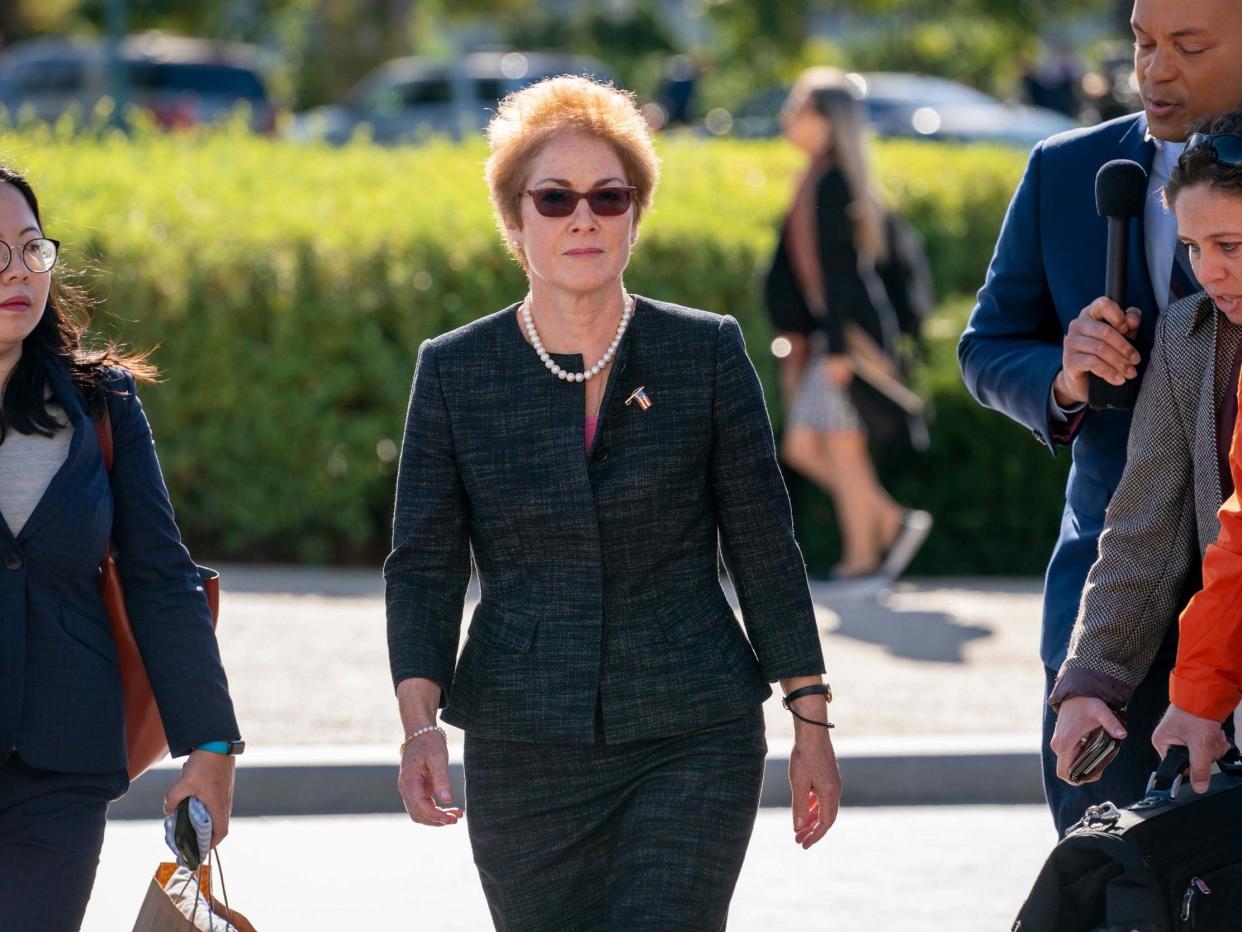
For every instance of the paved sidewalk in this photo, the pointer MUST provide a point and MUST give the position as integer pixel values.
(956, 869)
(937, 695)
(307, 659)
(938, 689)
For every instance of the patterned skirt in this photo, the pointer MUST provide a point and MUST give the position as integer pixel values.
(614, 838)
(821, 405)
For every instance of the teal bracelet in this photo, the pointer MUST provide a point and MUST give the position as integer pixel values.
(215, 747)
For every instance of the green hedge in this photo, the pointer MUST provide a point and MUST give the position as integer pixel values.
(287, 289)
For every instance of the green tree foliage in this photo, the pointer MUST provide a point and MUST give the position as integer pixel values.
(633, 43)
(1030, 15)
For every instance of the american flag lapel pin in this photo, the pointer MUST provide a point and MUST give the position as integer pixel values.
(643, 399)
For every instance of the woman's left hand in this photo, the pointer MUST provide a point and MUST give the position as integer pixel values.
(815, 780)
(209, 776)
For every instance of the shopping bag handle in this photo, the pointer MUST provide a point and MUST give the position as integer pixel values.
(201, 878)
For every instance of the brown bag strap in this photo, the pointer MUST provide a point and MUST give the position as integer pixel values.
(103, 430)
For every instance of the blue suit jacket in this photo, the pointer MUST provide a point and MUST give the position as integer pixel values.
(60, 688)
(1048, 266)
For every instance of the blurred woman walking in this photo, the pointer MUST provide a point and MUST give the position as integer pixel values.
(826, 296)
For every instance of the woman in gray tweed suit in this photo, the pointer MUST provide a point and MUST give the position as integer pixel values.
(591, 449)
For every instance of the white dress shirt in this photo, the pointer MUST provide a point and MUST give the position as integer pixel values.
(1160, 225)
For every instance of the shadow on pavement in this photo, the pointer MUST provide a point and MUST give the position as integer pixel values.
(933, 637)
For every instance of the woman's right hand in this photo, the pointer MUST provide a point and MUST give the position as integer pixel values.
(424, 781)
(1077, 718)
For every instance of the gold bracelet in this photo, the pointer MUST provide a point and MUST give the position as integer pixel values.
(425, 730)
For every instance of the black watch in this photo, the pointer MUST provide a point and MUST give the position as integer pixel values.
(816, 689)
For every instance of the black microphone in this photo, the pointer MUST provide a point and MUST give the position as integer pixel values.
(1120, 193)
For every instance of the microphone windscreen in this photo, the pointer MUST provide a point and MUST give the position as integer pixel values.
(1120, 189)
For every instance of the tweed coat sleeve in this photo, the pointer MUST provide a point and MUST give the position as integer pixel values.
(427, 572)
(754, 519)
(163, 593)
(1134, 588)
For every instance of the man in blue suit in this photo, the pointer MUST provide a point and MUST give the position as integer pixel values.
(1040, 328)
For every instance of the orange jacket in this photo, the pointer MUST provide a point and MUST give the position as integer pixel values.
(1207, 678)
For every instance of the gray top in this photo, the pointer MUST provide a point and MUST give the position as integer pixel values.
(27, 464)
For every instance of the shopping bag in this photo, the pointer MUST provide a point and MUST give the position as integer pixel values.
(179, 900)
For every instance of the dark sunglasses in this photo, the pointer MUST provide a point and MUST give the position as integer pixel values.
(611, 201)
(1226, 148)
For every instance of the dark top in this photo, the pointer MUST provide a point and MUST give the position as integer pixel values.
(851, 293)
(60, 689)
(598, 575)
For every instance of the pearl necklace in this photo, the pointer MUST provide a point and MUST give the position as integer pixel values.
(595, 370)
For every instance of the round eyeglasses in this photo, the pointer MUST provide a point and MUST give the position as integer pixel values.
(39, 255)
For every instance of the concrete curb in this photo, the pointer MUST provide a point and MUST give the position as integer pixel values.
(890, 771)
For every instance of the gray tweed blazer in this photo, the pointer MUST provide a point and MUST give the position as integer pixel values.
(598, 573)
(1163, 514)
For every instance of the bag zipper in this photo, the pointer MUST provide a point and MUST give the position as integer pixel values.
(1196, 886)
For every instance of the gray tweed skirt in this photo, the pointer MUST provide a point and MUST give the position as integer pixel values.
(648, 835)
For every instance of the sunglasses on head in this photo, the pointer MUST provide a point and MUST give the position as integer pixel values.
(1225, 148)
(611, 201)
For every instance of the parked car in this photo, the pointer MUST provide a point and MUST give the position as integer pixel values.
(408, 99)
(920, 106)
(180, 81)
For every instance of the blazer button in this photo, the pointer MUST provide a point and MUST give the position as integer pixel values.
(602, 455)
(13, 561)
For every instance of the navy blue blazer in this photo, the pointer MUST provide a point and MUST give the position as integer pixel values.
(60, 688)
(599, 573)
(1048, 266)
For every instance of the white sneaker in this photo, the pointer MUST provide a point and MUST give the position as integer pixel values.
(915, 526)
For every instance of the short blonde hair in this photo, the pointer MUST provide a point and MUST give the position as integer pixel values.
(530, 118)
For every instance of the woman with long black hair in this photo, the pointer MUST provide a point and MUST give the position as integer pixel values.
(62, 731)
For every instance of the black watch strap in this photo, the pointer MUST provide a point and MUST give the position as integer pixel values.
(816, 689)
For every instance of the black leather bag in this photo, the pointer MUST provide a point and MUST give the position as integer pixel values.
(1170, 862)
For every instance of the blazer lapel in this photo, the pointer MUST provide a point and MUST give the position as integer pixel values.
(625, 376)
(527, 381)
(83, 451)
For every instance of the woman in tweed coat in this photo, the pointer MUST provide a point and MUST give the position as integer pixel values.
(594, 451)
(1163, 518)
